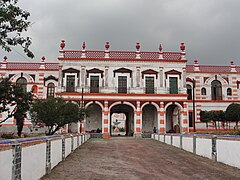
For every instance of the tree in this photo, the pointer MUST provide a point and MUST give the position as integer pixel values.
(54, 113)
(233, 113)
(218, 116)
(20, 101)
(206, 116)
(13, 21)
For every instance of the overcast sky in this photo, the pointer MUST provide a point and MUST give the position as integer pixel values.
(209, 28)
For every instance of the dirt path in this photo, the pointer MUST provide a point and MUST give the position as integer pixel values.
(130, 159)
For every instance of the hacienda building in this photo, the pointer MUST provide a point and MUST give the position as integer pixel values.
(129, 92)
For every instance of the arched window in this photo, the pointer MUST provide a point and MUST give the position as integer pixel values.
(229, 91)
(216, 89)
(189, 91)
(203, 91)
(50, 90)
(22, 82)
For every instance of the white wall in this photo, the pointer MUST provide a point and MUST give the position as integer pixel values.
(204, 147)
(56, 152)
(161, 138)
(74, 142)
(227, 148)
(176, 141)
(228, 152)
(187, 143)
(33, 161)
(67, 146)
(168, 139)
(6, 164)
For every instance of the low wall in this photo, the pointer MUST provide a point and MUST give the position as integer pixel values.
(32, 158)
(223, 149)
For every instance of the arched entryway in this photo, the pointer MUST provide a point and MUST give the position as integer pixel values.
(93, 118)
(149, 118)
(121, 120)
(173, 119)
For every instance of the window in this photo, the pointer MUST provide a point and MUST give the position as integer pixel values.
(189, 92)
(50, 90)
(216, 88)
(149, 81)
(229, 91)
(22, 82)
(70, 87)
(173, 84)
(94, 84)
(203, 91)
(122, 84)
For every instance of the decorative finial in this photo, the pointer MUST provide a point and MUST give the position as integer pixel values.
(83, 46)
(195, 61)
(182, 46)
(62, 45)
(5, 59)
(107, 45)
(43, 59)
(232, 63)
(160, 48)
(138, 46)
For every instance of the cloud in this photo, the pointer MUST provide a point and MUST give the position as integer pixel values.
(209, 28)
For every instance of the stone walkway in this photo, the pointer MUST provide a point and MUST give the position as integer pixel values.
(132, 159)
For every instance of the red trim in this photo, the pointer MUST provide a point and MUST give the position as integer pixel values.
(116, 59)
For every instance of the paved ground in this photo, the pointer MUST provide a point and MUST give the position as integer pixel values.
(132, 159)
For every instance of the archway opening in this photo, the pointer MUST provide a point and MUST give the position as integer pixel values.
(94, 119)
(149, 118)
(173, 119)
(121, 120)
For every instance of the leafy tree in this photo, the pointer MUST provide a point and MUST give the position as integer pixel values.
(20, 101)
(233, 113)
(14, 21)
(206, 116)
(218, 116)
(54, 113)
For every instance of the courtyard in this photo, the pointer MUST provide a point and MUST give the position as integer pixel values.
(129, 158)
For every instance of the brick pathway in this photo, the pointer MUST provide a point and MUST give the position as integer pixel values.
(130, 159)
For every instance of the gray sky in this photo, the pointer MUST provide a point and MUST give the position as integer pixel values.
(209, 28)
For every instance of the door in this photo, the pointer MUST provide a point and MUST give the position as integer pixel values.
(173, 85)
(94, 84)
(122, 84)
(70, 86)
(149, 85)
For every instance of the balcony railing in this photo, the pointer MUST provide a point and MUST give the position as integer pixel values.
(124, 90)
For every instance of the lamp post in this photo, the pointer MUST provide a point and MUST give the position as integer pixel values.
(194, 118)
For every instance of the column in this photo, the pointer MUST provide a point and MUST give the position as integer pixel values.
(105, 121)
(82, 76)
(184, 77)
(185, 128)
(234, 87)
(161, 76)
(106, 76)
(40, 82)
(161, 119)
(60, 77)
(138, 77)
(138, 120)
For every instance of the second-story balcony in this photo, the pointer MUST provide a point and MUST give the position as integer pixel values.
(125, 90)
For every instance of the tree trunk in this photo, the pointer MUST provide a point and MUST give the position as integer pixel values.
(19, 126)
(57, 128)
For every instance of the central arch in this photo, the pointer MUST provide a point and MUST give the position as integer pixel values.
(121, 120)
(149, 118)
(173, 119)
